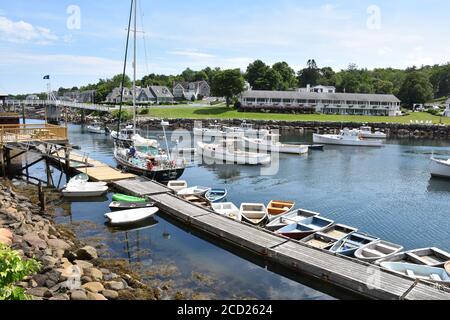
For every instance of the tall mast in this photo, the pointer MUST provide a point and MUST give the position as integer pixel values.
(134, 68)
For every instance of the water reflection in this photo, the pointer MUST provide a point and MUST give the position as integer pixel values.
(439, 185)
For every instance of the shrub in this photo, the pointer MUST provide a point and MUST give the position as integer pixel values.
(12, 270)
(144, 111)
(124, 115)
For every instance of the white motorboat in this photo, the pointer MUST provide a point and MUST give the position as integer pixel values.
(213, 130)
(177, 185)
(247, 130)
(227, 209)
(432, 257)
(377, 250)
(84, 190)
(194, 191)
(346, 138)
(83, 179)
(130, 216)
(228, 151)
(270, 143)
(415, 271)
(95, 128)
(254, 213)
(366, 132)
(440, 168)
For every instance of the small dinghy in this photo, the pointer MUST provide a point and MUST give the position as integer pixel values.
(130, 216)
(216, 195)
(277, 208)
(177, 185)
(319, 241)
(227, 209)
(84, 191)
(119, 206)
(432, 257)
(349, 245)
(377, 250)
(305, 227)
(289, 218)
(254, 213)
(415, 271)
(125, 198)
(198, 200)
(338, 231)
(194, 191)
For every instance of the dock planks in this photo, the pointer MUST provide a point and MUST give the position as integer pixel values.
(140, 187)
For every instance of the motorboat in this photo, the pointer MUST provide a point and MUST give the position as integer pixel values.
(227, 209)
(305, 227)
(177, 185)
(214, 130)
(84, 190)
(194, 191)
(216, 195)
(84, 179)
(228, 151)
(277, 208)
(130, 216)
(120, 205)
(440, 168)
(289, 218)
(418, 272)
(270, 143)
(377, 250)
(247, 130)
(96, 128)
(432, 257)
(254, 213)
(346, 138)
(447, 267)
(366, 132)
(351, 243)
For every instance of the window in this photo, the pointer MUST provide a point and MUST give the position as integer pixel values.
(276, 100)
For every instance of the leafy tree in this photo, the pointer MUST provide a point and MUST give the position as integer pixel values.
(327, 77)
(188, 75)
(256, 73)
(309, 75)
(416, 88)
(272, 80)
(228, 84)
(383, 86)
(12, 270)
(201, 76)
(440, 79)
(287, 75)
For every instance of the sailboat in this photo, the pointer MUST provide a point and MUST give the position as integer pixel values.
(134, 153)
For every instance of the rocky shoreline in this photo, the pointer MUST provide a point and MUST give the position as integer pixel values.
(70, 269)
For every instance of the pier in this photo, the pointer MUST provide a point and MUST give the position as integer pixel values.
(360, 278)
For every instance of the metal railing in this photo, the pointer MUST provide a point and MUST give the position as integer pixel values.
(31, 132)
(58, 103)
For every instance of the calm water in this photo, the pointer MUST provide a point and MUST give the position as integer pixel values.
(386, 192)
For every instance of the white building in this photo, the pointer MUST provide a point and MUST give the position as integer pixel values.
(327, 103)
(187, 91)
(447, 110)
(318, 89)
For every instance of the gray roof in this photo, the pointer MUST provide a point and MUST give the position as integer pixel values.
(161, 92)
(320, 96)
(147, 92)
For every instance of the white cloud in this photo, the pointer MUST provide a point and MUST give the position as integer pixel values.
(419, 57)
(191, 54)
(21, 31)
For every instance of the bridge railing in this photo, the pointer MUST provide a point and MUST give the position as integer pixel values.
(59, 103)
(31, 132)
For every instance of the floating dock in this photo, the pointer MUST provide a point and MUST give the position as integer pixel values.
(364, 279)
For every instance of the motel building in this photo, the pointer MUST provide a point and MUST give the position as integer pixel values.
(303, 101)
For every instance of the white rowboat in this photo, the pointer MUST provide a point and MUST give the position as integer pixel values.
(440, 168)
(130, 216)
(254, 213)
(415, 271)
(227, 209)
(377, 250)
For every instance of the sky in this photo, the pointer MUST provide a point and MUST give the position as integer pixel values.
(79, 41)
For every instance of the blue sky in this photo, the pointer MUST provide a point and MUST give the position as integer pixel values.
(35, 39)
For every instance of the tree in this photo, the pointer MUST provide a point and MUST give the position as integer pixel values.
(309, 75)
(256, 73)
(272, 80)
(440, 79)
(383, 86)
(201, 76)
(287, 74)
(228, 84)
(416, 88)
(188, 75)
(327, 77)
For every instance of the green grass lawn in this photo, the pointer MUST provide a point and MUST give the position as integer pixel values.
(229, 113)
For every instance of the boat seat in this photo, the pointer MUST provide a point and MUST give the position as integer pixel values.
(373, 253)
(410, 273)
(385, 248)
(435, 277)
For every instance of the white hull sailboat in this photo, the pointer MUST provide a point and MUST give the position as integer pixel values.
(346, 138)
(440, 168)
(227, 152)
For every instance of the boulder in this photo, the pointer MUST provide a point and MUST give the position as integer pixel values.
(78, 295)
(40, 292)
(60, 297)
(94, 273)
(87, 253)
(94, 287)
(110, 294)
(95, 296)
(70, 273)
(114, 285)
(6, 241)
(6, 233)
(49, 261)
(58, 244)
(35, 241)
(40, 280)
(83, 264)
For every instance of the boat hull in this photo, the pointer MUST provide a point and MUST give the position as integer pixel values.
(120, 206)
(440, 169)
(337, 140)
(130, 216)
(242, 158)
(84, 194)
(281, 148)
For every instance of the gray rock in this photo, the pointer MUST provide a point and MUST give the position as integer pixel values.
(53, 275)
(60, 297)
(110, 294)
(40, 292)
(40, 280)
(94, 273)
(87, 253)
(35, 241)
(114, 285)
(58, 244)
(78, 295)
(50, 284)
(83, 264)
(94, 287)
(86, 279)
(49, 261)
(71, 256)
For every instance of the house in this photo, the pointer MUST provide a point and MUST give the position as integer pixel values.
(114, 96)
(86, 96)
(145, 95)
(162, 94)
(447, 109)
(189, 90)
(32, 97)
(3, 97)
(327, 103)
(318, 89)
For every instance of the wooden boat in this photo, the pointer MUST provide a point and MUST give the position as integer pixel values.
(227, 209)
(216, 195)
(119, 206)
(346, 138)
(377, 250)
(351, 243)
(338, 231)
(270, 143)
(289, 218)
(432, 257)
(440, 168)
(319, 241)
(198, 200)
(447, 267)
(130, 216)
(305, 227)
(228, 151)
(278, 207)
(254, 213)
(84, 191)
(415, 271)
(177, 185)
(124, 198)
(194, 191)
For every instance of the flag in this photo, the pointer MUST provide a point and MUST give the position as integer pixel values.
(47, 77)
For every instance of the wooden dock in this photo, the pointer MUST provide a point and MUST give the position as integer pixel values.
(361, 278)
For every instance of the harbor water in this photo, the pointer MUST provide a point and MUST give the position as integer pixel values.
(387, 192)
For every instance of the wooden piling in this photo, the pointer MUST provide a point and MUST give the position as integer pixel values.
(41, 197)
